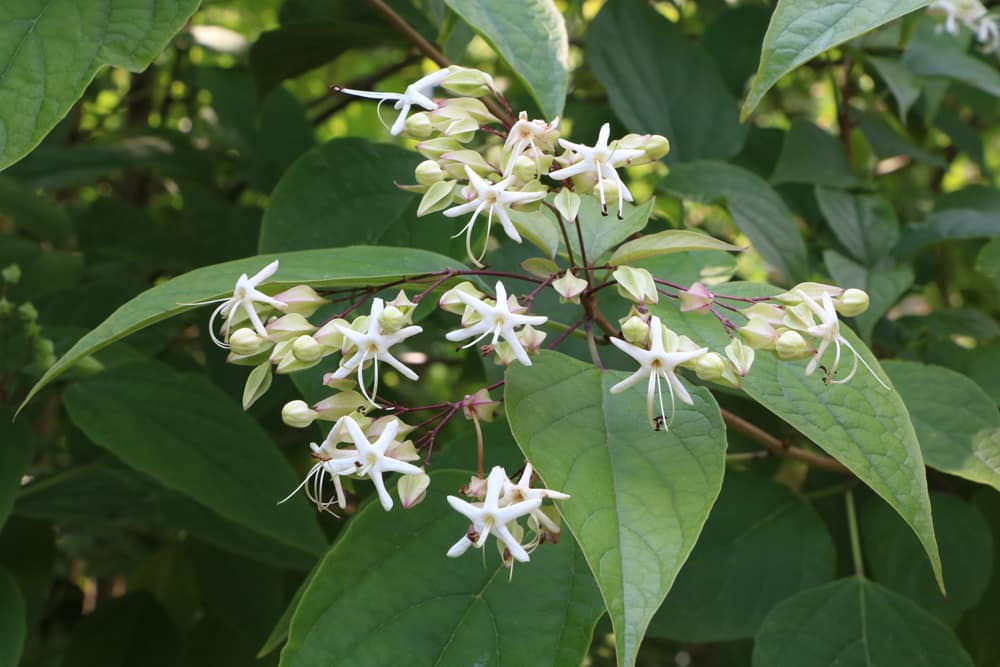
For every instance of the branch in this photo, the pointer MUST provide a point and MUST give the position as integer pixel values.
(779, 447)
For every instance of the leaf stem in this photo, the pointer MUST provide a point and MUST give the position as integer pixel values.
(852, 527)
(779, 447)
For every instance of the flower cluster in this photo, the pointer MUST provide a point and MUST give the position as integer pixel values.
(974, 16)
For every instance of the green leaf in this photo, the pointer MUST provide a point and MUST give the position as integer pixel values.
(754, 206)
(601, 233)
(854, 622)
(948, 225)
(395, 598)
(538, 227)
(665, 243)
(888, 141)
(897, 560)
(530, 36)
(320, 268)
(865, 224)
(51, 50)
(812, 155)
(103, 492)
(884, 286)
(903, 84)
(279, 634)
(32, 213)
(734, 40)
(861, 424)
(640, 497)
(192, 437)
(802, 29)
(17, 444)
(125, 631)
(761, 544)
(660, 82)
(13, 626)
(341, 193)
(956, 421)
(929, 54)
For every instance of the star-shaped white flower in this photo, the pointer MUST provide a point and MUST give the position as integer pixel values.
(489, 517)
(496, 198)
(828, 332)
(372, 461)
(373, 344)
(245, 295)
(600, 162)
(417, 93)
(657, 363)
(522, 136)
(514, 493)
(973, 14)
(330, 462)
(496, 319)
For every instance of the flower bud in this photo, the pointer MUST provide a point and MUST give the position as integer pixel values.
(525, 169)
(306, 349)
(432, 149)
(656, 147)
(45, 353)
(531, 338)
(741, 355)
(301, 300)
(798, 317)
(503, 354)
(479, 405)
(635, 330)
(418, 126)
(245, 342)
(288, 327)
(297, 414)
(567, 203)
(404, 305)
(468, 82)
(462, 130)
(345, 384)
(476, 488)
(758, 334)
(338, 405)
(412, 489)
(329, 335)
(814, 291)
(697, 297)
(791, 346)
(455, 162)
(569, 287)
(438, 197)
(392, 320)
(452, 304)
(710, 366)
(636, 284)
(852, 303)
(428, 173)
(462, 108)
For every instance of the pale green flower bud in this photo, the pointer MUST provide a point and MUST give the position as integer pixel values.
(412, 489)
(297, 414)
(765, 312)
(798, 317)
(454, 163)
(11, 274)
(814, 291)
(525, 169)
(852, 303)
(432, 149)
(329, 335)
(656, 147)
(531, 338)
(428, 173)
(569, 287)
(404, 305)
(452, 304)
(740, 355)
(27, 311)
(791, 346)
(289, 363)
(438, 197)
(479, 405)
(758, 334)
(636, 284)
(635, 330)
(710, 366)
(419, 126)
(567, 203)
(504, 354)
(288, 327)
(301, 300)
(392, 320)
(468, 82)
(462, 108)
(245, 342)
(462, 130)
(339, 405)
(306, 349)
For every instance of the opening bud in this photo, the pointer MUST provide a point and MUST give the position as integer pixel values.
(697, 297)
(297, 414)
(468, 82)
(392, 320)
(636, 330)
(412, 489)
(636, 284)
(288, 327)
(710, 366)
(852, 302)
(531, 338)
(741, 355)
(569, 287)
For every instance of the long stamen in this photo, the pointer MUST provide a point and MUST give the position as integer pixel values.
(600, 186)
(211, 327)
(482, 336)
(858, 357)
(486, 241)
(304, 482)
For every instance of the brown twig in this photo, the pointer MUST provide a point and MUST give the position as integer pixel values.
(779, 447)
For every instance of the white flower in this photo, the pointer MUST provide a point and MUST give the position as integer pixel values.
(514, 493)
(245, 295)
(488, 517)
(373, 344)
(828, 331)
(656, 363)
(332, 462)
(417, 93)
(495, 197)
(973, 15)
(372, 461)
(523, 135)
(600, 162)
(496, 319)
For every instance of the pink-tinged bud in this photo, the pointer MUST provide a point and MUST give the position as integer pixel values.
(450, 302)
(288, 327)
(339, 405)
(412, 489)
(479, 406)
(569, 287)
(531, 338)
(636, 284)
(697, 297)
(301, 300)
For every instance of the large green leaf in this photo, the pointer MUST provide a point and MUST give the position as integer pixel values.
(865, 224)
(319, 268)
(813, 156)
(897, 560)
(13, 627)
(754, 206)
(640, 497)
(861, 424)
(855, 623)
(668, 242)
(392, 597)
(956, 421)
(530, 35)
(194, 438)
(51, 49)
(658, 81)
(341, 193)
(601, 233)
(947, 225)
(802, 29)
(761, 544)
(932, 52)
(17, 444)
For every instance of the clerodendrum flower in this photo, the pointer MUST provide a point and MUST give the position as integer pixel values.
(514, 493)
(373, 345)
(417, 93)
(974, 16)
(489, 517)
(496, 319)
(525, 134)
(245, 295)
(495, 197)
(828, 332)
(657, 363)
(599, 162)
